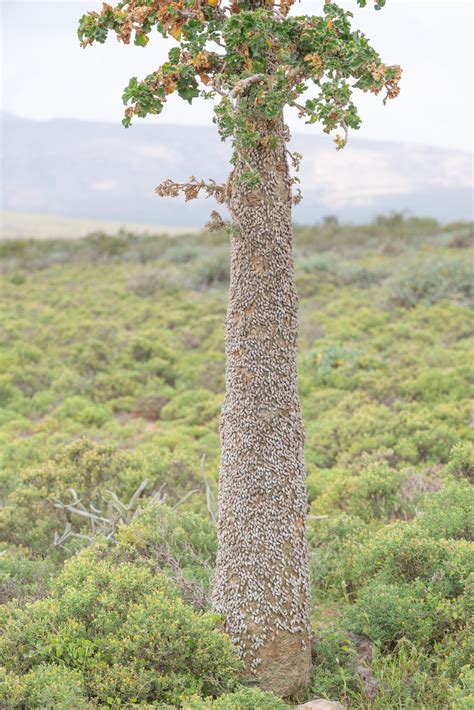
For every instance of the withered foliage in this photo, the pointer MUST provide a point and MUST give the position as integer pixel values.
(191, 189)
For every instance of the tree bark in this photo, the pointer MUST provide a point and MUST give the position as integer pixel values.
(261, 586)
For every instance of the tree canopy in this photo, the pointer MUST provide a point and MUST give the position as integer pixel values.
(253, 57)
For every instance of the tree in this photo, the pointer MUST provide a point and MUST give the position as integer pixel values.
(253, 58)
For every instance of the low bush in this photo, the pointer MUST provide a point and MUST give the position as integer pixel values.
(211, 272)
(334, 659)
(83, 412)
(448, 512)
(81, 472)
(148, 283)
(195, 407)
(182, 545)
(374, 494)
(461, 463)
(432, 281)
(23, 578)
(45, 686)
(327, 536)
(387, 613)
(121, 632)
(244, 699)
(408, 677)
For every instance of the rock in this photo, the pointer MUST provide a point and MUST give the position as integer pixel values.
(320, 704)
(363, 666)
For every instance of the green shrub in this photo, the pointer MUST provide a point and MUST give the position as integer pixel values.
(397, 553)
(124, 631)
(244, 699)
(195, 407)
(149, 406)
(408, 677)
(30, 517)
(180, 544)
(462, 694)
(110, 386)
(175, 472)
(326, 537)
(372, 495)
(387, 613)
(432, 281)
(146, 283)
(342, 432)
(358, 426)
(457, 652)
(83, 412)
(11, 691)
(461, 461)
(448, 512)
(329, 268)
(334, 662)
(106, 245)
(407, 579)
(333, 365)
(212, 272)
(23, 579)
(92, 356)
(438, 385)
(45, 686)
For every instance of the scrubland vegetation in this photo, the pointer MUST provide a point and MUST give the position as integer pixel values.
(111, 381)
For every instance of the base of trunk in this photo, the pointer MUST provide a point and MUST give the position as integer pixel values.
(285, 666)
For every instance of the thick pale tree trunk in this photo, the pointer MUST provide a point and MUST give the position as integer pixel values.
(262, 569)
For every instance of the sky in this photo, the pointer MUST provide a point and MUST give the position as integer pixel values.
(47, 75)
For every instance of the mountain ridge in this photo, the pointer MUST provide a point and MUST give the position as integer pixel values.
(97, 170)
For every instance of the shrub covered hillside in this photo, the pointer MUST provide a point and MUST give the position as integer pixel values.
(111, 381)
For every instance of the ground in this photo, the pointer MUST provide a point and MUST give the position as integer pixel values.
(112, 374)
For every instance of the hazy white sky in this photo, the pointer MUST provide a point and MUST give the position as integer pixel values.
(46, 74)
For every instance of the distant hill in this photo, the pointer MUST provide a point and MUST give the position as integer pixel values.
(101, 171)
